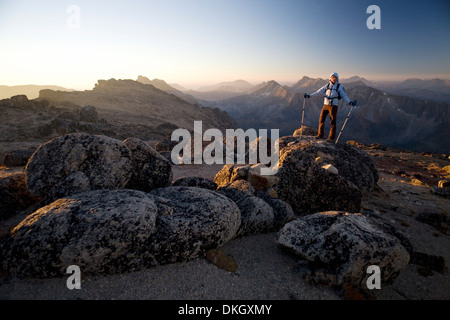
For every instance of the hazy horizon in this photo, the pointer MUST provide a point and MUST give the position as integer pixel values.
(196, 43)
(201, 85)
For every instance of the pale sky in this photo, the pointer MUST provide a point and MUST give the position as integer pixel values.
(200, 42)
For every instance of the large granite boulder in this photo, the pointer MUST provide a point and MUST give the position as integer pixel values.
(150, 170)
(102, 231)
(259, 212)
(166, 145)
(353, 164)
(282, 211)
(190, 222)
(312, 175)
(309, 187)
(256, 215)
(76, 163)
(195, 182)
(340, 246)
(114, 231)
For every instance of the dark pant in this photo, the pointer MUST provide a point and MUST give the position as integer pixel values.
(332, 110)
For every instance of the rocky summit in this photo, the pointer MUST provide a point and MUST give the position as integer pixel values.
(313, 175)
(112, 207)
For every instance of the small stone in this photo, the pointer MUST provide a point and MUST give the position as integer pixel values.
(272, 192)
(221, 260)
(417, 182)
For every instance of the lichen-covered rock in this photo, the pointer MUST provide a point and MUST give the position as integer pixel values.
(230, 173)
(113, 231)
(305, 131)
(166, 145)
(312, 176)
(190, 222)
(282, 211)
(14, 195)
(102, 231)
(77, 163)
(150, 170)
(339, 247)
(309, 188)
(17, 158)
(195, 182)
(256, 215)
(353, 164)
(242, 185)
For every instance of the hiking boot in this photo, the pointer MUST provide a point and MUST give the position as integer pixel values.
(318, 137)
(330, 140)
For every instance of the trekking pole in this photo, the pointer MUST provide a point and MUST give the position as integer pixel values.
(345, 122)
(303, 116)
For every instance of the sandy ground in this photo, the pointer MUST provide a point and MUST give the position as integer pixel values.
(265, 271)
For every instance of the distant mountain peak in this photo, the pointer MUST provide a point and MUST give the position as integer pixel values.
(143, 79)
(114, 83)
(271, 88)
(273, 83)
(231, 86)
(305, 78)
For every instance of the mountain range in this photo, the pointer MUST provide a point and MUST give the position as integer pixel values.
(141, 103)
(115, 108)
(397, 114)
(381, 117)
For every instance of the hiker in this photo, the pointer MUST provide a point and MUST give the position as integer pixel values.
(334, 92)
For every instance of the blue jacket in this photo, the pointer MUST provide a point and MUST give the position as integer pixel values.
(331, 94)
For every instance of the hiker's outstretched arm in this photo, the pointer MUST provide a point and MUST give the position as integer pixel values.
(320, 91)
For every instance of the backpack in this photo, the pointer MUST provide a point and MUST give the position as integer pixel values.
(337, 90)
